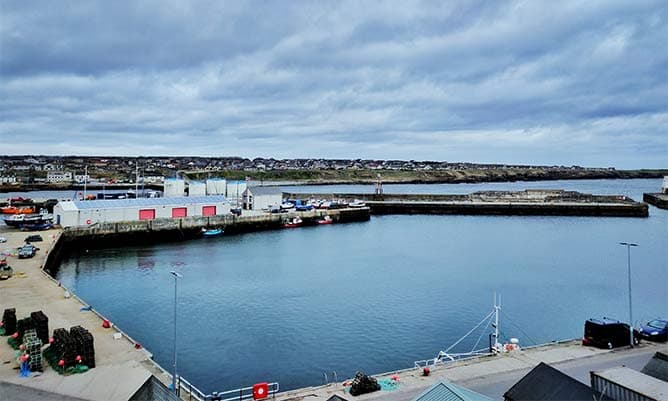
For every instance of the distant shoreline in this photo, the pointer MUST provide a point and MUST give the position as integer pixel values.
(369, 177)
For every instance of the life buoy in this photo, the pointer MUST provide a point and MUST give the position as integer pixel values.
(509, 347)
(88, 221)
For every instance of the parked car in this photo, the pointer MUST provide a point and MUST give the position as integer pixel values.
(34, 238)
(27, 251)
(608, 333)
(3, 240)
(655, 330)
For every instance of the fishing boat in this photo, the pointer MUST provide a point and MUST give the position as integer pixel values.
(493, 348)
(18, 220)
(293, 222)
(35, 226)
(325, 220)
(212, 232)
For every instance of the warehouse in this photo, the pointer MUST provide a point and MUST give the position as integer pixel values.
(86, 213)
(258, 198)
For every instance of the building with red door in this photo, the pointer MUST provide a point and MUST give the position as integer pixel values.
(88, 213)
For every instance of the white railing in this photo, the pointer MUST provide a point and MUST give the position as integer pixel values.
(241, 394)
(192, 392)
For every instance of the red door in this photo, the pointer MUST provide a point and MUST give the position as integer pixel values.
(179, 212)
(208, 210)
(147, 214)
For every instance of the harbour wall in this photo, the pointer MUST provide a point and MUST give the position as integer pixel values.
(533, 203)
(658, 200)
(163, 230)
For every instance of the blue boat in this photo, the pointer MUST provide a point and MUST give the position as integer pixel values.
(212, 232)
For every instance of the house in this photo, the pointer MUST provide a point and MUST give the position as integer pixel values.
(258, 198)
(445, 391)
(547, 383)
(58, 176)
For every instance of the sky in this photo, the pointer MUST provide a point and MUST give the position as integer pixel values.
(519, 82)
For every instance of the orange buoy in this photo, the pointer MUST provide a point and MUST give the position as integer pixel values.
(425, 371)
(106, 324)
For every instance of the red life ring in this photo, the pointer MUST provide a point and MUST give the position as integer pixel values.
(88, 221)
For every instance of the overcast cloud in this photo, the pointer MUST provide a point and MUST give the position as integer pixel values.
(530, 82)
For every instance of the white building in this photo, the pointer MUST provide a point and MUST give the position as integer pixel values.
(216, 186)
(196, 188)
(664, 185)
(174, 187)
(86, 213)
(81, 178)
(234, 189)
(7, 179)
(258, 198)
(58, 176)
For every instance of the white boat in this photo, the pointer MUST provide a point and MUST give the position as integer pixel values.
(357, 203)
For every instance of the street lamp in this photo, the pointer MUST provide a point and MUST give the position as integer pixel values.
(177, 276)
(628, 246)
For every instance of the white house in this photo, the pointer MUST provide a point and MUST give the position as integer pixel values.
(258, 198)
(58, 176)
(85, 213)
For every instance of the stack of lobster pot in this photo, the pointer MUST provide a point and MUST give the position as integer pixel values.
(65, 347)
(22, 326)
(33, 347)
(84, 343)
(9, 321)
(41, 323)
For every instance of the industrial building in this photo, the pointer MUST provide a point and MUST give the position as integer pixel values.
(234, 189)
(258, 198)
(86, 213)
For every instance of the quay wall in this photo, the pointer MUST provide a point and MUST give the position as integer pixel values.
(536, 203)
(658, 200)
(161, 230)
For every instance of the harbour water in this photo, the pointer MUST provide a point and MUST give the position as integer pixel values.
(290, 305)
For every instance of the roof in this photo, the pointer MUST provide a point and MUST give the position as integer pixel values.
(547, 383)
(657, 366)
(120, 203)
(336, 398)
(265, 190)
(445, 391)
(635, 381)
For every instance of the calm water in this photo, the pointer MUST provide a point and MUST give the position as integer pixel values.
(289, 305)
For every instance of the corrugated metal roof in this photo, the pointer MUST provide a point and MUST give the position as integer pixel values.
(657, 366)
(549, 384)
(176, 201)
(445, 391)
(635, 381)
(265, 190)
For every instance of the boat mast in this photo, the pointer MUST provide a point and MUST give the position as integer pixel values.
(497, 307)
(85, 180)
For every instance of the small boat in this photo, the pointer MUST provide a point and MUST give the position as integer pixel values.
(325, 220)
(294, 222)
(18, 220)
(36, 226)
(212, 232)
(357, 203)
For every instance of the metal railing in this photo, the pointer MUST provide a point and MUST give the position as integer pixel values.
(241, 394)
(192, 392)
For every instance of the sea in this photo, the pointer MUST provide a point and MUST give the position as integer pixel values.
(302, 306)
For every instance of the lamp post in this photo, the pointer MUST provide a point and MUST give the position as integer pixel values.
(177, 276)
(628, 246)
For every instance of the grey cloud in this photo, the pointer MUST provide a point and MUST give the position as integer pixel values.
(537, 82)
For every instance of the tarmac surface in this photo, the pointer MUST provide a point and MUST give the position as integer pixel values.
(493, 376)
(121, 368)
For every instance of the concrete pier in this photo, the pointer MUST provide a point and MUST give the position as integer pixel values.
(659, 200)
(518, 203)
(122, 366)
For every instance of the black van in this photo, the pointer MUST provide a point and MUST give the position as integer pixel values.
(608, 333)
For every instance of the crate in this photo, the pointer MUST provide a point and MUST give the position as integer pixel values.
(84, 344)
(41, 322)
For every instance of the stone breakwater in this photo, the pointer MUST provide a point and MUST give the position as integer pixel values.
(528, 202)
